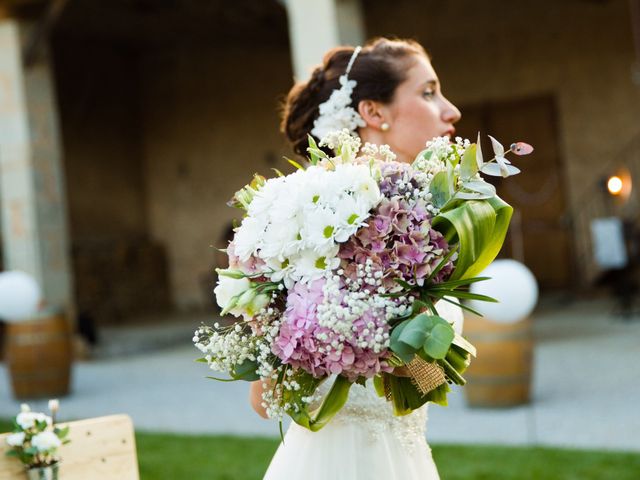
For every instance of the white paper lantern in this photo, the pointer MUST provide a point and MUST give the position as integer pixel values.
(19, 296)
(513, 285)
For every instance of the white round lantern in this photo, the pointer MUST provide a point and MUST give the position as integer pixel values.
(20, 296)
(513, 285)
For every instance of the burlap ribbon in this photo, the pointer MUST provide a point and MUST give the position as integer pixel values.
(426, 376)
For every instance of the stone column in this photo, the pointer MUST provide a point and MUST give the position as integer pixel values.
(315, 26)
(34, 223)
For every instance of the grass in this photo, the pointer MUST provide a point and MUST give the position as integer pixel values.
(163, 456)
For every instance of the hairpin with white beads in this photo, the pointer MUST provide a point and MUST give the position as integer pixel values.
(337, 113)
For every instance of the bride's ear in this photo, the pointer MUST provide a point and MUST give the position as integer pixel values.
(371, 112)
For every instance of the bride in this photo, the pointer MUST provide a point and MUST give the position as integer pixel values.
(395, 99)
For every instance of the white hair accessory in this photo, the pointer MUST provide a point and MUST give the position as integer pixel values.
(337, 113)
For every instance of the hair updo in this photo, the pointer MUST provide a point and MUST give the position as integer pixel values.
(379, 69)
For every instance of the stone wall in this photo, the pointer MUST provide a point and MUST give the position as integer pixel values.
(120, 271)
(580, 52)
(210, 122)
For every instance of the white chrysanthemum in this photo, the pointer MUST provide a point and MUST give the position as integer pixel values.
(227, 289)
(320, 228)
(46, 441)
(311, 265)
(16, 439)
(351, 214)
(249, 235)
(357, 178)
(266, 196)
(280, 269)
(280, 240)
(319, 187)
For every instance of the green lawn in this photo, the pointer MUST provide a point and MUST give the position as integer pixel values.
(164, 456)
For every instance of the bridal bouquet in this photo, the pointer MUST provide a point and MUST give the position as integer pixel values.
(335, 270)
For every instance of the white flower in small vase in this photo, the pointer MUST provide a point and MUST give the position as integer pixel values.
(16, 439)
(46, 442)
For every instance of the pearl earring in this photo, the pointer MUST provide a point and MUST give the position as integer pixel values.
(384, 127)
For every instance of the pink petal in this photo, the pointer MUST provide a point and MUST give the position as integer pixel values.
(521, 148)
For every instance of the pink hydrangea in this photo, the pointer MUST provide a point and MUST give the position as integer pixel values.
(303, 343)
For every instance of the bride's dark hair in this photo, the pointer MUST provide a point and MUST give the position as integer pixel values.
(379, 68)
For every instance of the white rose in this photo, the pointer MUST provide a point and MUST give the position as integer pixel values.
(16, 439)
(46, 441)
(227, 289)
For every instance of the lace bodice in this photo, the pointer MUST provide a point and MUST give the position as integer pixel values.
(367, 410)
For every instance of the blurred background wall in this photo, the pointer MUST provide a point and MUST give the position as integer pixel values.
(167, 107)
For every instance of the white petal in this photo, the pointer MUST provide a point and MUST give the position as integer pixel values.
(498, 149)
(479, 159)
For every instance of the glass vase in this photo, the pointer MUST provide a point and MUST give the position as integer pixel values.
(43, 473)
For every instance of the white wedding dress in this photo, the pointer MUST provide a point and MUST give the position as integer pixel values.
(364, 441)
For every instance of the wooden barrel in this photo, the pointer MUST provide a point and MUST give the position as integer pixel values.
(501, 374)
(38, 353)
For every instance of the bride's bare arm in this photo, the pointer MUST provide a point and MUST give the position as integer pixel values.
(255, 397)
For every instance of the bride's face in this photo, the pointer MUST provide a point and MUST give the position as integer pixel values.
(418, 112)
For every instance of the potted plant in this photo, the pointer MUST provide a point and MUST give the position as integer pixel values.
(35, 441)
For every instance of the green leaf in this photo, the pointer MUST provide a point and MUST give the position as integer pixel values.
(480, 186)
(469, 166)
(332, 403)
(315, 153)
(223, 379)
(294, 163)
(406, 285)
(440, 189)
(468, 295)
(378, 384)
(479, 228)
(416, 331)
(440, 265)
(461, 195)
(452, 284)
(246, 371)
(439, 340)
(405, 396)
(401, 349)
